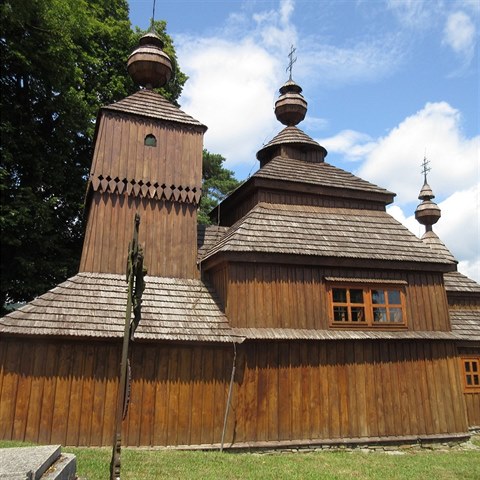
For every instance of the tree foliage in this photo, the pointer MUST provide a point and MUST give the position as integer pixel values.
(61, 61)
(217, 183)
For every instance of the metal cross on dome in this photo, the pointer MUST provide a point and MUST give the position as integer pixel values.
(292, 60)
(425, 168)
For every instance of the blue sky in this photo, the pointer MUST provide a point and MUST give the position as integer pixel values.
(385, 81)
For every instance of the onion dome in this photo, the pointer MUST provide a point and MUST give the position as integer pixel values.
(427, 213)
(148, 65)
(291, 107)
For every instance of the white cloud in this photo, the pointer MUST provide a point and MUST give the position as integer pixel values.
(234, 76)
(460, 34)
(395, 160)
(351, 144)
(458, 228)
(413, 13)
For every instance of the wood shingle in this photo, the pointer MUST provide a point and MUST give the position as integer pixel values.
(325, 232)
(93, 305)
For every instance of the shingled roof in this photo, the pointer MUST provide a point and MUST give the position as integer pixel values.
(147, 103)
(325, 232)
(93, 305)
(432, 240)
(321, 174)
(465, 324)
(456, 282)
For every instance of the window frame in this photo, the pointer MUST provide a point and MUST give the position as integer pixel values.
(150, 140)
(368, 305)
(471, 359)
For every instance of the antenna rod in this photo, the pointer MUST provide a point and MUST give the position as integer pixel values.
(153, 18)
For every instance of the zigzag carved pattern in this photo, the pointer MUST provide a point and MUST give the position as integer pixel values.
(146, 189)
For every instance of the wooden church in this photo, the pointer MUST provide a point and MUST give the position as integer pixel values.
(306, 316)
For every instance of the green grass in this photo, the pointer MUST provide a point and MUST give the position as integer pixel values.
(141, 464)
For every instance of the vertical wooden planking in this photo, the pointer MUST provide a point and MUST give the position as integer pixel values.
(261, 394)
(408, 413)
(296, 388)
(458, 406)
(198, 384)
(353, 377)
(161, 396)
(341, 374)
(221, 390)
(410, 391)
(39, 352)
(333, 394)
(23, 392)
(61, 403)
(285, 392)
(111, 387)
(87, 396)
(173, 396)
(324, 391)
(184, 398)
(208, 398)
(370, 389)
(46, 420)
(315, 400)
(305, 386)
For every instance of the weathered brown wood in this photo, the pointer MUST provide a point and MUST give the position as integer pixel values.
(289, 390)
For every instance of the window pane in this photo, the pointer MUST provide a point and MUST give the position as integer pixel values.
(378, 296)
(474, 367)
(394, 297)
(150, 141)
(379, 315)
(340, 314)
(340, 295)
(475, 380)
(467, 366)
(396, 315)
(356, 296)
(469, 379)
(358, 314)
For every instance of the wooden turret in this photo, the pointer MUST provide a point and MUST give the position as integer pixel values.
(147, 159)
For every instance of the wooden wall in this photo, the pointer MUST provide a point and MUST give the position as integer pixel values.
(120, 151)
(284, 197)
(52, 392)
(168, 232)
(286, 296)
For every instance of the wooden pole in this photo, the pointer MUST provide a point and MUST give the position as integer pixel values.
(136, 285)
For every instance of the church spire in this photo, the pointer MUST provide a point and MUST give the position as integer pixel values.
(428, 212)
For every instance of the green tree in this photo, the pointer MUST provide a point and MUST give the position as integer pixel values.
(61, 61)
(217, 183)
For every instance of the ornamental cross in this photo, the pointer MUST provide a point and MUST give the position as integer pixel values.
(425, 168)
(292, 60)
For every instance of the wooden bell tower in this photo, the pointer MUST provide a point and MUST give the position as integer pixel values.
(147, 160)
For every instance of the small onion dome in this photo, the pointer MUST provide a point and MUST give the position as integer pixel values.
(148, 65)
(427, 213)
(291, 107)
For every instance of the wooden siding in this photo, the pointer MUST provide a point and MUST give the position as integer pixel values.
(120, 151)
(472, 399)
(283, 296)
(168, 232)
(52, 392)
(285, 197)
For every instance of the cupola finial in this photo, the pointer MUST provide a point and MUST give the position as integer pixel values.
(427, 213)
(291, 107)
(148, 65)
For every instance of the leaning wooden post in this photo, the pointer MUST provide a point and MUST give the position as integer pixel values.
(136, 285)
